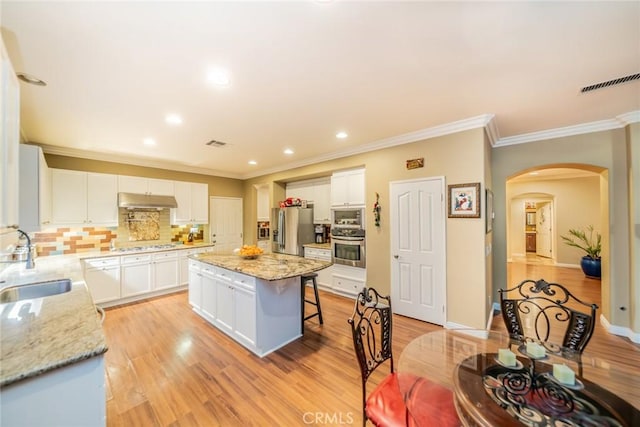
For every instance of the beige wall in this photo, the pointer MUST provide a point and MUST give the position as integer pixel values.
(633, 138)
(576, 204)
(608, 150)
(460, 159)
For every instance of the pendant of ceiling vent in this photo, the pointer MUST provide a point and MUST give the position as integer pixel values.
(613, 82)
(214, 143)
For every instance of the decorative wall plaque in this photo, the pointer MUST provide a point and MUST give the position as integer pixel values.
(415, 163)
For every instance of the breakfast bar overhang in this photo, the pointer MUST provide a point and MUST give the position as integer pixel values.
(257, 302)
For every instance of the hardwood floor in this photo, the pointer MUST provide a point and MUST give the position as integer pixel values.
(168, 367)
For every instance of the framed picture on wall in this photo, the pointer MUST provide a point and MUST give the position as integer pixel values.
(464, 200)
(489, 210)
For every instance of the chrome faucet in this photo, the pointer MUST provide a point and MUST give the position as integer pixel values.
(30, 263)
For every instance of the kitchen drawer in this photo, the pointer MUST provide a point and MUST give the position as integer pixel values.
(158, 256)
(102, 262)
(319, 254)
(247, 282)
(134, 259)
(347, 285)
(208, 269)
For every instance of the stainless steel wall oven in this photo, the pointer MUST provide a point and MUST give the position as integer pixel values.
(348, 246)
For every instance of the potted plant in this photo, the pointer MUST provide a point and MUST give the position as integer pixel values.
(592, 246)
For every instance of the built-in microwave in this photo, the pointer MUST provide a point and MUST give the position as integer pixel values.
(347, 218)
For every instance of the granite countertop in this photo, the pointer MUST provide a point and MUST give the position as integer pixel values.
(266, 266)
(142, 250)
(41, 334)
(318, 245)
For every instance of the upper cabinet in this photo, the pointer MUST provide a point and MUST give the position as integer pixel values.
(262, 202)
(140, 185)
(193, 203)
(347, 188)
(82, 198)
(35, 189)
(9, 140)
(316, 192)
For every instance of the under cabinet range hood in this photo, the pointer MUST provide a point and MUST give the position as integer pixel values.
(134, 200)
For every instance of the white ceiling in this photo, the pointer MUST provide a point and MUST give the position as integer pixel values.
(301, 71)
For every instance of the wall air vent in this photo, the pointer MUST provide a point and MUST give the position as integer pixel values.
(214, 143)
(613, 82)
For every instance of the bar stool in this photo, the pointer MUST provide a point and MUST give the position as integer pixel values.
(303, 282)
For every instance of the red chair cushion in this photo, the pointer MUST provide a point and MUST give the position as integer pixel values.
(430, 404)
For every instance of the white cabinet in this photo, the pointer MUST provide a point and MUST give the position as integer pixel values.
(209, 292)
(262, 203)
(195, 284)
(9, 142)
(135, 276)
(102, 276)
(72, 395)
(193, 203)
(165, 270)
(325, 275)
(140, 185)
(316, 192)
(236, 305)
(347, 188)
(347, 285)
(244, 309)
(322, 202)
(82, 198)
(35, 189)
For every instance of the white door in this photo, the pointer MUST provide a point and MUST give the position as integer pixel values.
(418, 283)
(226, 224)
(543, 230)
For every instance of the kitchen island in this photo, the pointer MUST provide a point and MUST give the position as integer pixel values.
(257, 302)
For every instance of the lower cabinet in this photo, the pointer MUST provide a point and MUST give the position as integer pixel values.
(73, 395)
(208, 305)
(195, 285)
(229, 301)
(347, 280)
(325, 278)
(136, 275)
(102, 276)
(165, 270)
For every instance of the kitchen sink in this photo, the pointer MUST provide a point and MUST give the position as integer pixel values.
(35, 290)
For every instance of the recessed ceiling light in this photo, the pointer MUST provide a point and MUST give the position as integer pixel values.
(149, 141)
(288, 151)
(27, 78)
(218, 77)
(341, 135)
(173, 119)
(253, 162)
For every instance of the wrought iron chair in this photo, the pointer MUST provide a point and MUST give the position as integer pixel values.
(547, 312)
(371, 327)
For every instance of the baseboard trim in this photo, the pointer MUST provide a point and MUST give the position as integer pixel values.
(622, 331)
(478, 333)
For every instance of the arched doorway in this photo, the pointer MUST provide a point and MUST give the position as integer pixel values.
(577, 196)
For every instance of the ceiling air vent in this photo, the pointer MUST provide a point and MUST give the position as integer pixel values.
(613, 82)
(214, 143)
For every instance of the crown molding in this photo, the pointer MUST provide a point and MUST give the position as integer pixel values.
(591, 127)
(115, 158)
(407, 138)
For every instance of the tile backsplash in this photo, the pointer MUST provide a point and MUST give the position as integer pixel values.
(135, 228)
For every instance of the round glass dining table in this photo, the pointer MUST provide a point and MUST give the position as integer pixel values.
(487, 393)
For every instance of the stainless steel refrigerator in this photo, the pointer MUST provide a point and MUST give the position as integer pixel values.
(293, 229)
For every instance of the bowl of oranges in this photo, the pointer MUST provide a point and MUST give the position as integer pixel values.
(250, 252)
